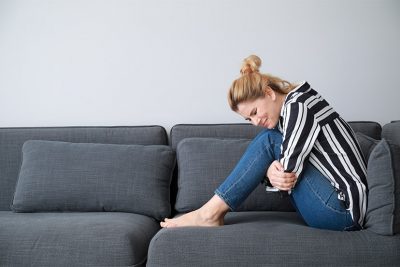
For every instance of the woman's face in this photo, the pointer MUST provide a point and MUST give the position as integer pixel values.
(264, 111)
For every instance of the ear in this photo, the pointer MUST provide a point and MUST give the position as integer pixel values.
(270, 93)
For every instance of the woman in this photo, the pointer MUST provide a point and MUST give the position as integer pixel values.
(307, 150)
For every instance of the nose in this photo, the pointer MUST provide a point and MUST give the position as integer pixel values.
(256, 121)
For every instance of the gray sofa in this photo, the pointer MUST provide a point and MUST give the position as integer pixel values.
(93, 196)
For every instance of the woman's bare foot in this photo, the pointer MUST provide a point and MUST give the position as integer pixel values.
(193, 218)
(211, 214)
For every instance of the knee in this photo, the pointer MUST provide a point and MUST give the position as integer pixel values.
(268, 137)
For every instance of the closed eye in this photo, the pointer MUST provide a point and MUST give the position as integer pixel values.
(252, 113)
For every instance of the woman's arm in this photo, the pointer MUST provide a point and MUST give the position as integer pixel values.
(300, 131)
(279, 179)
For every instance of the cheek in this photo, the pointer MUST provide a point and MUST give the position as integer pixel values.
(276, 112)
(267, 113)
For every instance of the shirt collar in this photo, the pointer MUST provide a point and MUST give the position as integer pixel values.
(299, 86)
(289, 95)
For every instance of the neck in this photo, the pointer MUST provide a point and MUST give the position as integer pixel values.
(280, 98)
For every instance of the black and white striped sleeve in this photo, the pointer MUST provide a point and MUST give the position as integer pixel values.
(300, 130)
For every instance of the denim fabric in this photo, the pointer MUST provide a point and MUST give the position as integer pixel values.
(204, 163)
(314, 197)
(251, 168)
(317, 202)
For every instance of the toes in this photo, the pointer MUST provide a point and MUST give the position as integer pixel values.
(166, 223)
(171, 225)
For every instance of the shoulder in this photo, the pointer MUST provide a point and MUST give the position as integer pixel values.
(303, 93)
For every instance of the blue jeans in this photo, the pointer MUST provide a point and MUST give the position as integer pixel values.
(314, 197)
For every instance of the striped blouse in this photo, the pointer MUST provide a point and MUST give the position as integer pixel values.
(312, 130)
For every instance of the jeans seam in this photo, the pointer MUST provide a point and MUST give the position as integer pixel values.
(223, 197)
(241, 176)
(320, 198)
(266, 145)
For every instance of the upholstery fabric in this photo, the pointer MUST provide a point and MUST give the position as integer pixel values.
(367, 144)
(75, 239)
(63, 176)
(235, 131)
(248, 131)
(391, 132)
(204, 163)
(369, 128)
(12, 139)
(225, 131)
(249, 238)
(270, 239)
(383, 177)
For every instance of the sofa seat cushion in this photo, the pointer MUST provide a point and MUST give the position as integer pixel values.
(75, 239)
(270, 239)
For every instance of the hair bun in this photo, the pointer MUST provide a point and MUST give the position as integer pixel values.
(250, 64)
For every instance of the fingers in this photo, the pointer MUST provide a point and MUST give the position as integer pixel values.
(281, 172)
(286, 175)
(284, 181)
(277, 165)
(285, 185)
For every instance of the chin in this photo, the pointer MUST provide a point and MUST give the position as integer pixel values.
(267, 127)
(272, 127)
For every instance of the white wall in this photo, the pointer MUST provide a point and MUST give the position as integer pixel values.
(108, 62)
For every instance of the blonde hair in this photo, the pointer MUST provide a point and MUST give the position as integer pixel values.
(252, 84)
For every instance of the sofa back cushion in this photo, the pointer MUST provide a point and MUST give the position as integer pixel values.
(391, 132)
(383, 177)
(369, 128)
(367, 144)
(63, 176)
(207, 153)
(248, 131)
(204, 163)
(12, 139)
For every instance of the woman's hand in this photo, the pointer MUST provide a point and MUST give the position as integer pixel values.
(284, 181)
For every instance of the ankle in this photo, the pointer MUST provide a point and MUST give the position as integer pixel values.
(214, 210)
(209, 215)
